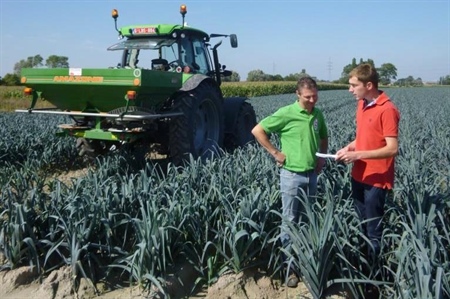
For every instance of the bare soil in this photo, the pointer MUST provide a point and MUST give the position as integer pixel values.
(24, 283)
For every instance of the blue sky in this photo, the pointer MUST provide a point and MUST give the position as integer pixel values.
(277, 37)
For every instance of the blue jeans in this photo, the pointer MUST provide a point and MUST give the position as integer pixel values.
(369, 203)
(292, 186)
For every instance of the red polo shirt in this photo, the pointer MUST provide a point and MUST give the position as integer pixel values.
(373, 124)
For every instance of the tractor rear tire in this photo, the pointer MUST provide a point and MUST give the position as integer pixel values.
(242, 131)
(199, 130)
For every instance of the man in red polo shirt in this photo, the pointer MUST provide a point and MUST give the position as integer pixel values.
(372, 151)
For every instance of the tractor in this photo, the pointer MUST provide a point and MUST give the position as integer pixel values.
(164, 94)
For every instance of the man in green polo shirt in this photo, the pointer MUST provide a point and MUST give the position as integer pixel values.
(303, 132)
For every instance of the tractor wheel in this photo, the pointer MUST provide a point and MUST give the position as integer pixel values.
(199, 131)
(242, 131)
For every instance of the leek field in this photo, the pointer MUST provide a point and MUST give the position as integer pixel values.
(141, 221)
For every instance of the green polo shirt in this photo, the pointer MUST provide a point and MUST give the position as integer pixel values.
(300, 134)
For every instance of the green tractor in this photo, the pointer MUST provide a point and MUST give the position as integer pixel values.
(164, 93)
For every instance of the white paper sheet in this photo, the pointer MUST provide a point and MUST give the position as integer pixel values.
(326, 155)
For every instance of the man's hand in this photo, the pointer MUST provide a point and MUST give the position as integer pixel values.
(280, 158)
(347, 156)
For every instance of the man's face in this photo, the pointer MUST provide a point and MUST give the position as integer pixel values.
(307, 98)
(358, 88)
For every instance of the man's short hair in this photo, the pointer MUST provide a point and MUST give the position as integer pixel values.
(365, 73)
(306, 82)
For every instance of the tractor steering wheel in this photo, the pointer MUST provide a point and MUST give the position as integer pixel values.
(173, 64)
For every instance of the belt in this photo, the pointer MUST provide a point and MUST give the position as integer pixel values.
(307, 172)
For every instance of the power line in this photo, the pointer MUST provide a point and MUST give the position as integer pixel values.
(329, 68)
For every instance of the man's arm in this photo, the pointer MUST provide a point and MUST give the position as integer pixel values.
(323, 145)
(263, 139)
(387, 151)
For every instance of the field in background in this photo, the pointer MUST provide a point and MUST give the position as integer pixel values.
(11, 97)
(223, 215)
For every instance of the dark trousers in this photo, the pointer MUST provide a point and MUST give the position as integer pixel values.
(369, 203)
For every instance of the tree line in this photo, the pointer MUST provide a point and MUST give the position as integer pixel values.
(387, 72)
(53, 61)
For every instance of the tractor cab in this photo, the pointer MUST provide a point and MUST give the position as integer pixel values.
(173, 48)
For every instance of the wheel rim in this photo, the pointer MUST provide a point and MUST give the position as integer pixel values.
(207, 127)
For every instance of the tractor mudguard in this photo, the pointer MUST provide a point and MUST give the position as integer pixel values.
(193, 82)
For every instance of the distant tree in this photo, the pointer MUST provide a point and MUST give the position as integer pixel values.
(276, 77)
(233, 78)
(257, 75)
(400, 82)
(54, 61)
(387, 71)
(347, 69)
(444, 80)
(291, 77)
(409, 81)
(303, 74)
(1, 80)
(296, 76)
(11, 80)
(418, 82)
(30, 62)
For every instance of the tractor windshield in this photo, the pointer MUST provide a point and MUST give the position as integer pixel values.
(165, 54)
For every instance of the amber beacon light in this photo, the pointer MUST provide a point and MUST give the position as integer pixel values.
(183, 9)
(115, 13)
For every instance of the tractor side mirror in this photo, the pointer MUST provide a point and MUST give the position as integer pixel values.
(226, 73)
(233, 40)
